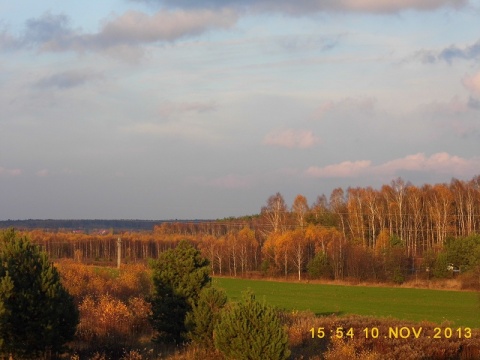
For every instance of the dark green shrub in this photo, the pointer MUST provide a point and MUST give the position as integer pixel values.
(205, 315)
(251, 330)
(440, 269)
(463, 252)
(178, 277)
(37, 314)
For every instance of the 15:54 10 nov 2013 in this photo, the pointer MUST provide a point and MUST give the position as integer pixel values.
(392, 332)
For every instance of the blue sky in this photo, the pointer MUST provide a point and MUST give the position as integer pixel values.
(154, 109)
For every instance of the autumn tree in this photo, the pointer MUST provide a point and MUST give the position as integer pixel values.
(300, 209)
(283, 249)
(37, 315)
(320, 213)
(339, 209)
(247, 245)
(275, 213)
(273, 254)
(295, 245)
(336, 250)
(382, 242)
(415, 205)
(472, 205)
(371, 199)
(232, 247)
(355, 208)
(220, 253)
(399, 188)
(441, 210)
(208, 246)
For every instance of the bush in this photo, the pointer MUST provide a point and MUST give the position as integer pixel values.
(110, 325)
(440, 269)
(250, 330)
(37, 314)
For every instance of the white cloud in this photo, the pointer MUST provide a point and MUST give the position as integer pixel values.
(291, 138)
(343, 169)
(137, 27)
(120, 36)
(441, 163)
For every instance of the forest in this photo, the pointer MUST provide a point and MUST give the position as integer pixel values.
(359, 233)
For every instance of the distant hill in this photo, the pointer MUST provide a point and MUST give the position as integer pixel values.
(87, 225)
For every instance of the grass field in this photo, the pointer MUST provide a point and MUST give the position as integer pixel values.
(458, 307)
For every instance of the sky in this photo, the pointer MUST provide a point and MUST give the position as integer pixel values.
(202, 109)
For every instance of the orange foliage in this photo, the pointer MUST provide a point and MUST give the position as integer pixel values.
(109, 322)
(87, 280)
(113, 310)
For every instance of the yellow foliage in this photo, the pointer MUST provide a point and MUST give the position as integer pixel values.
(382, 242)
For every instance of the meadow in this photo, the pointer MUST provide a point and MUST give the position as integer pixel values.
(458, 308)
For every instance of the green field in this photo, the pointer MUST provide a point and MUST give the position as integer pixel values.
(458, 307)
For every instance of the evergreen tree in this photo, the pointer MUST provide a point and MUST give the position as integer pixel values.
(318, 266)
(205, 315)
(250, 330)
(178, 277)
(37, 314)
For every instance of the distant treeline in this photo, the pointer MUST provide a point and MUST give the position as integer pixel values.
(86, 225)
(386, 234)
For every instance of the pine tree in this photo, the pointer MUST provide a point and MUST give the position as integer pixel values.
(179, 276)
(37, 315)
(205, 315)
(250, 330)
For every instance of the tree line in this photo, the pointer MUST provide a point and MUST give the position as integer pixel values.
(361, 232)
